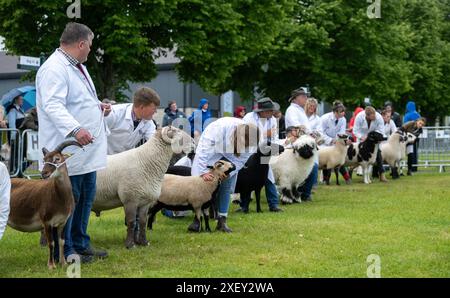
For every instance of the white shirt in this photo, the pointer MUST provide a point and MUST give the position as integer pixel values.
(5, 192)
(184, 161)
(314, 122)
(264, 125)
(122, 135)
(295, 116)
(389, 128)
(215, 143)
(360, 129)
(330, 129)
(65, 100)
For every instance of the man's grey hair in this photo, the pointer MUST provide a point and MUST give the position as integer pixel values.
(75, 32)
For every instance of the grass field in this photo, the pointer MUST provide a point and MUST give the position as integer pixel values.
(406, 223)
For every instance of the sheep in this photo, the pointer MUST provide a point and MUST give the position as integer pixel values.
(37, 204)
(195, 193)
(133, 179)
(364, 154)
(293, 166)
(391, 151)
(254, 175)
(333, 157)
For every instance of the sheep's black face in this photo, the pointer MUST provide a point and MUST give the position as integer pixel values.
(376, 137)
(306, 151)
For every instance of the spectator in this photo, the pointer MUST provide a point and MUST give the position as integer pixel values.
(414, 127)
(394, 115)
(262, 117)
(132, 123)
(389, 125)
(296, 116)
(281, 124)
(366, 122)
(411, 113)
(239, 112)
(172, 113)
(198, 118)
(68, 106)
(3, 120)
(226, 138)
(16, 116)
(5, 191)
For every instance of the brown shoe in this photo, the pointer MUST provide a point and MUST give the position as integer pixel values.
(383, 178)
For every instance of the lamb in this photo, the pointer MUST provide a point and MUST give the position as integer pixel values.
(293, 166)
(364, 154)
(195, 195)
(333, 157)
(37, 204)
(391, 151)
(133, 179)
(254, 175)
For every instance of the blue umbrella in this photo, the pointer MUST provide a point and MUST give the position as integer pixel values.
(28, 93)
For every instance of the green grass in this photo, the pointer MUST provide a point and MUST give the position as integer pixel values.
(406, 223)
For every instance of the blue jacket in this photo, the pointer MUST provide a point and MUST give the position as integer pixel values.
(411, 113)
(196, 115)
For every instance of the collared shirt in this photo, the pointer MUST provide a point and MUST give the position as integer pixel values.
(295, 116)
(71, 59)
(264, 125)
(362, 128)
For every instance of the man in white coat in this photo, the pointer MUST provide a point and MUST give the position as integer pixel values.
(130, 123)
(68, 107)
(296, 116)
(262, 117)
(366, 122)
(5, 192)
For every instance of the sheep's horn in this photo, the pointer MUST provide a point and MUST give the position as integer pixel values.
(65, 144)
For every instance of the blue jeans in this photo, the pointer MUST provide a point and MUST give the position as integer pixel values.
(75, 231)
(306, 188)
(271, 194)
(223, 194)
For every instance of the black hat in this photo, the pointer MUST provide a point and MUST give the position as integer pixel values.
(266, 104)
(298, 92)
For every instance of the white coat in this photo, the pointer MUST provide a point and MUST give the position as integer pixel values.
(389, 128)
(295, 116)
(184, 162)
(122, 135)
(215, 143)
(360, 129)
(5, 192)
(264, 125)
(329, 129)
(65, 99)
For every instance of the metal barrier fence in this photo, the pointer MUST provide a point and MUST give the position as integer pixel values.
(434, 148)
(10, 143)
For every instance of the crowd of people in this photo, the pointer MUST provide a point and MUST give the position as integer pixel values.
(68, 107)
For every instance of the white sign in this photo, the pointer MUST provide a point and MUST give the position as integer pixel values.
(33, 152)
(30, 61)
(227, 102)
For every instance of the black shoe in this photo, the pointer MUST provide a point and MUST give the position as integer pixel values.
(222, 225)
(242, 210)
(98, 253)
(308, 199)
(409, 173)
(276, 209)
(84, 259)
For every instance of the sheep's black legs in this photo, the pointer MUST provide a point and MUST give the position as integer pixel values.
(142, 238)
(152, 214)
(206, 216)
(258, 200)
(51, 246)
(130, 216)
(336, 173)
(60, 232)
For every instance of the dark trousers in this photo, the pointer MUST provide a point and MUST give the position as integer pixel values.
(75, 231)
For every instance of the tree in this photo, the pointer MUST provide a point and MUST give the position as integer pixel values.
(211, 37)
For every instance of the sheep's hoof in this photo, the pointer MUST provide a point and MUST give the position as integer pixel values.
(51, 266)
(143, 242)
(130, 244)
(259, 211)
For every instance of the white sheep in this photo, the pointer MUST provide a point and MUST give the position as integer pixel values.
(333, 157)
(391, 151)
(293, 166)
(133, 179)
(196, 193)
